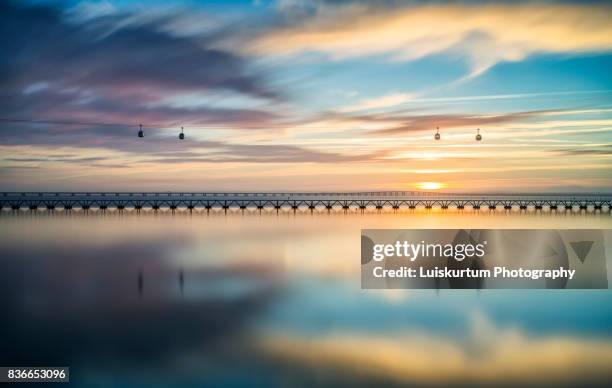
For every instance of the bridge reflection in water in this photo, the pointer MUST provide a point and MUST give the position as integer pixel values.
(304, 201)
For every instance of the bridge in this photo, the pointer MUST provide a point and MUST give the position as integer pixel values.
(312, 201)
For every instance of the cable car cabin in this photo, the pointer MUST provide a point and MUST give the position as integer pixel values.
(181, 135)
(437, 135)
(140, 132)
(478, 135)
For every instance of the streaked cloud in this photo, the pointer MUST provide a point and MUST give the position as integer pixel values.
(407, 123)
(86, 10)
(386, 101)
(100, 76)
(484, 34)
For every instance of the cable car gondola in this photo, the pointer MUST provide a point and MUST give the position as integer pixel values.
(140, 132)
(437, 135)
(181, 135)
(478, 135)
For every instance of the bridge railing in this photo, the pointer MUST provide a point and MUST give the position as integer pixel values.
(358, 194)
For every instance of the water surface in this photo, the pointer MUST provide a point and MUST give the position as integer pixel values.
(158, 299)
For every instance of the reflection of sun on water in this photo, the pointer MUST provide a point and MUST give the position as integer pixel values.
(430, 185)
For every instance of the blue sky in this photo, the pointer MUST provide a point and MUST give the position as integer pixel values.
(306, 95)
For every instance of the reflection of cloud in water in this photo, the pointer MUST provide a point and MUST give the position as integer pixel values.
(491, 355)
(78, 305)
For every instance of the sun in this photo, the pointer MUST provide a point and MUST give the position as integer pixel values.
(430, 185)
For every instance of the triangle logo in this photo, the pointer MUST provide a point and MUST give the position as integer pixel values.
(582, 249)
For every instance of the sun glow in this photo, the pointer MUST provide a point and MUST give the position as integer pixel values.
(430, 185)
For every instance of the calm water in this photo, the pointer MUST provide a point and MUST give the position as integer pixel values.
(275, 300)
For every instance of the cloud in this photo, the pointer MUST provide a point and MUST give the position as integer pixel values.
(603, 150)
(87, 10)
(58, 159)
(41, 145)
(398, 123)
(484, 34)
(268, 154)
(379, 102)
(97, 71)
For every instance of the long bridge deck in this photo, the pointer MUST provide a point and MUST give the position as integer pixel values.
(291, 200)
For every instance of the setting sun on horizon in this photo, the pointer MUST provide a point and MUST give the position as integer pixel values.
(430, 185)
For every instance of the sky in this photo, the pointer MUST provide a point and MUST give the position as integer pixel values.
(306, 95)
